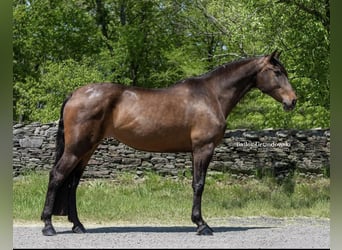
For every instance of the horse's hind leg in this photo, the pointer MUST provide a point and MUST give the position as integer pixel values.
(72, 213)
(57, 175)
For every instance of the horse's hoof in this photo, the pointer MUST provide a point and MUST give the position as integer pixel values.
(204, 230)
(79, 229)
(49, 231)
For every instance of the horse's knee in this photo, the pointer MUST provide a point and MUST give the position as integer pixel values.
(62, 170)
(198, 188)
(55, 177)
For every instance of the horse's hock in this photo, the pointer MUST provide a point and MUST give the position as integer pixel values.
(241, 152)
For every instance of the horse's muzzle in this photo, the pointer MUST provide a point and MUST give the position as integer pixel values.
(289, 105)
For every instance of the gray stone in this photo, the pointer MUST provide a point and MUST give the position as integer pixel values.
(31, 142)
(241, 152)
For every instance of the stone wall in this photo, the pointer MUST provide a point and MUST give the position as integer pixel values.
(242, 152)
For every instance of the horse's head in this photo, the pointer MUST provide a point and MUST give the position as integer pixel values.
(272, 79)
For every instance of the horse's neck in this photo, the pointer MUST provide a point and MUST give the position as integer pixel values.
(232, 85)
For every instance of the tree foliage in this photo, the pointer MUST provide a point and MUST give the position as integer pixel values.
(60, 45)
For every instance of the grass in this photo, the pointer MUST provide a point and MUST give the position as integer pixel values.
(159, 200)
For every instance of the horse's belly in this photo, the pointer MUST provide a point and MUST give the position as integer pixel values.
(151, 129)
(162, 140)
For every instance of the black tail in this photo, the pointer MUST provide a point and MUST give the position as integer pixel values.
(62, 196)
(60, 133)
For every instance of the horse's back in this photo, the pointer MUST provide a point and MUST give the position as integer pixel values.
(161, 120)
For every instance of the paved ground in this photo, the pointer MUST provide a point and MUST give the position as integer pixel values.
(259, 232)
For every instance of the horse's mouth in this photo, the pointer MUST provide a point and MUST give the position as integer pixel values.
(288, 107)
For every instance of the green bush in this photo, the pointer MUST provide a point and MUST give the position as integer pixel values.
(41, 100)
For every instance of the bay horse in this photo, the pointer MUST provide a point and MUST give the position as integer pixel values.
(189, 116)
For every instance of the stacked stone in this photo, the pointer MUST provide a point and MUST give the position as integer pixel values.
(242, 152)
(33, 147)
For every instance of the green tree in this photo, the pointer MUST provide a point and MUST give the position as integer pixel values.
(154, 43)
(41, 99)
(298, 28)
(46, 31)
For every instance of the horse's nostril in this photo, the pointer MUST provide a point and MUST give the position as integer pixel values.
(289, 104)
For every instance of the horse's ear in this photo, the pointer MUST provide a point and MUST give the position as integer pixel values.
(278, 54)
(275, 54)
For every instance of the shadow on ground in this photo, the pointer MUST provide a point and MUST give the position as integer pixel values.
(156, 229)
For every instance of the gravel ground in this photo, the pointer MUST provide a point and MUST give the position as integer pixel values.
(251, 232)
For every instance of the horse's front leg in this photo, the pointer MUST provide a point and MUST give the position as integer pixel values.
(200, 160)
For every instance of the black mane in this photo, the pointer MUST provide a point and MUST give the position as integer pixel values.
(227, 67)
